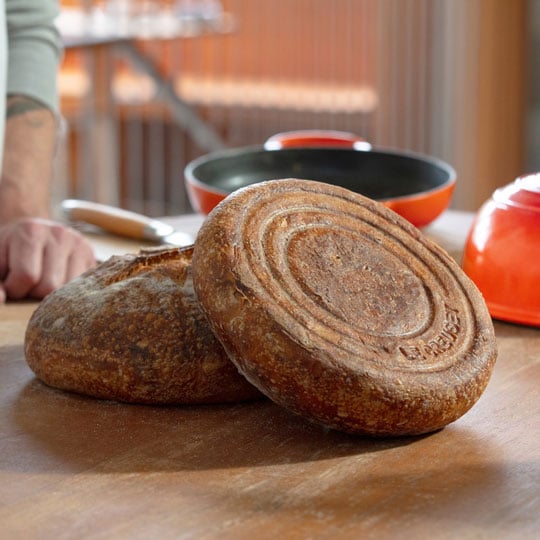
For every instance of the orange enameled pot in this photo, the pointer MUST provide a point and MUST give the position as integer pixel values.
(502, 252)
(416, 186)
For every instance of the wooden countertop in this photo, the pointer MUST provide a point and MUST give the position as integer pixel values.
(74, 467)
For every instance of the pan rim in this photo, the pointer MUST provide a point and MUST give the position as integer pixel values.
(190, 168)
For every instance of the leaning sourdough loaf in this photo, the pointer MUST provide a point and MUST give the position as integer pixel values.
(132, 330)
(340, 310)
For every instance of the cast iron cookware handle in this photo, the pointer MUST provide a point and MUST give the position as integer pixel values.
(316, 137)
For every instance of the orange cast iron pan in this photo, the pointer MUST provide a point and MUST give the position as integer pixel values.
(418, 187)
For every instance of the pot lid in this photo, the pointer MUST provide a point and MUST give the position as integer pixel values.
(340, 310)
(523, 193)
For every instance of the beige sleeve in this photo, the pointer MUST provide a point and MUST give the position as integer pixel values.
(35, 50)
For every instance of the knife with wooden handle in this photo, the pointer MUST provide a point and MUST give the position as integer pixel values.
(124, 222)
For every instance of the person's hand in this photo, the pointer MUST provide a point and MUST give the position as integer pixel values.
(37, 256)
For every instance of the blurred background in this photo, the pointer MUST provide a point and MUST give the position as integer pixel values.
(148, 85)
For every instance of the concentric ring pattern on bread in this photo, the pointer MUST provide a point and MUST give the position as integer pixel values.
(341, 311)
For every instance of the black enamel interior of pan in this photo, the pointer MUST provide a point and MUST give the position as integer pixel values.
(378, 175)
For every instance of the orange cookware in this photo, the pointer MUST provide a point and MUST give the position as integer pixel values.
(502, 252)
(416, 186)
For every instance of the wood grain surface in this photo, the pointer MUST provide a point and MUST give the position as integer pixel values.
(74, 467)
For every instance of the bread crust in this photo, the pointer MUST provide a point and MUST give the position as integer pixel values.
(132, 330)
(341, 311)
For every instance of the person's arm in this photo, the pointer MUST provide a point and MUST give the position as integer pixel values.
(37, 255)
(29, 146)
(32, 109)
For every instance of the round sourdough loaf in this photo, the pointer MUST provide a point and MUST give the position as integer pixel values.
(132, 330)
(340, 310)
